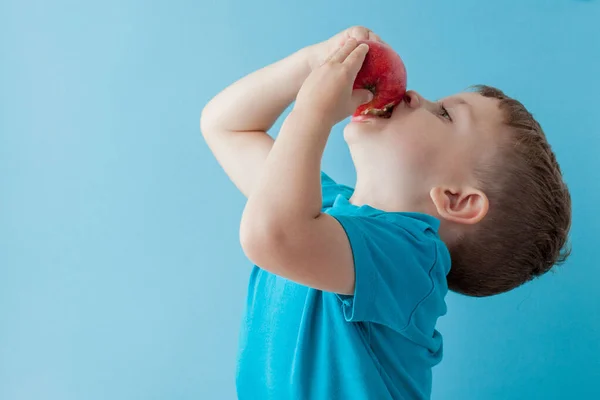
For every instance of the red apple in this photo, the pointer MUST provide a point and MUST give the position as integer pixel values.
(383, 73)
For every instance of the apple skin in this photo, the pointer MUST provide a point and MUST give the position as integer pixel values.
(384, 74)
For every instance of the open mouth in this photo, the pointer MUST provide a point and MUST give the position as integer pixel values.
(385, 112)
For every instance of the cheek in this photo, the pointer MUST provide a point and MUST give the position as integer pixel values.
(413, 147)
(424, 157)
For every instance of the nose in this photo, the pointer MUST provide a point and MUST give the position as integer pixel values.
(413, 99)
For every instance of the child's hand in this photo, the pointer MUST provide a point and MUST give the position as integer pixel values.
(327, 94)
(320, 51)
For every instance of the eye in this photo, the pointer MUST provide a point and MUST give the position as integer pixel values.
(444, 113)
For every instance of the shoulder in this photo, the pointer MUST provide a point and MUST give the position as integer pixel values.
(401, 236)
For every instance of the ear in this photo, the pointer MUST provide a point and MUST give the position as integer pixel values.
(461, 205)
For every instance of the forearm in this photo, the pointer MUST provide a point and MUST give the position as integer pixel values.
(235, 122)
(254, 102)
(287, 199)
(288, 192)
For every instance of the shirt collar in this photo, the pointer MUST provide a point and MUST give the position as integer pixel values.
(343, 202)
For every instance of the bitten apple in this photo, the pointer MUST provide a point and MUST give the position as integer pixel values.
(384, 74)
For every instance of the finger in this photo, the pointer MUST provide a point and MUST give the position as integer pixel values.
(359, 33)
(360, 97)
(355, 59)
(333, 53)
(336, 51)
(343, 52)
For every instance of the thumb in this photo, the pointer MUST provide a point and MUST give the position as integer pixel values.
(361, 96)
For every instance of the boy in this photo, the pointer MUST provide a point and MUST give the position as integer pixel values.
(463, 194)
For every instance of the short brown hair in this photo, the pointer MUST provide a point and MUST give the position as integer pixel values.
(525, 232)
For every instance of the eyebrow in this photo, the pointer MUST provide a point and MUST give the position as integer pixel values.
(460, 101)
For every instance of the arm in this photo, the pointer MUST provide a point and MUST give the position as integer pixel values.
(282, 228)
(236, 121)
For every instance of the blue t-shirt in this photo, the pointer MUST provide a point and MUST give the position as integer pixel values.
(380, 343)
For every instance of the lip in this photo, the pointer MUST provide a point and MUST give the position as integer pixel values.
(372, 118)
(364, 118)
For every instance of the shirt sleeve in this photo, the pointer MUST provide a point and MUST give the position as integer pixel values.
(398, 278)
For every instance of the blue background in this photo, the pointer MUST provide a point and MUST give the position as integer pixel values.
(121, 275)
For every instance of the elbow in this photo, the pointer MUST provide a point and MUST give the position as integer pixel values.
(209, 119)
(204, 120)
(263, 242)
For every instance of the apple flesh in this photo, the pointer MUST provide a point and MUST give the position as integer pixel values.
(383, 73)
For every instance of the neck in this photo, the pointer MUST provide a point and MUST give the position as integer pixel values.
(386, 198)
(391, 198)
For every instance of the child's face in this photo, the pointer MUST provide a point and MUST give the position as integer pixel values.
(423, 145)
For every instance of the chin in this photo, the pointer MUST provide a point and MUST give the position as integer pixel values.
(359, 130)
